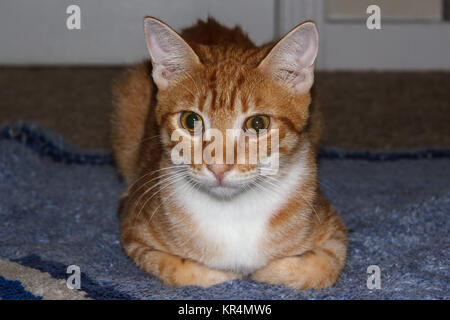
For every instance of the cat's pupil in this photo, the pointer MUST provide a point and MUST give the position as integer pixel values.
(258, 124)
(190, 120)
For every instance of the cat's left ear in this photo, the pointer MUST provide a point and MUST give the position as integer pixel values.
(170, 54)
(292, 59)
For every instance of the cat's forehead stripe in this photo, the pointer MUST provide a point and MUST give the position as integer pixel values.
(225, 91)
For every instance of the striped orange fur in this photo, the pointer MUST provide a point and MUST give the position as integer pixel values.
(182, 223)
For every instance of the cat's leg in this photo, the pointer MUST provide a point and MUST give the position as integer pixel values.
(174, 270)
(316, 268)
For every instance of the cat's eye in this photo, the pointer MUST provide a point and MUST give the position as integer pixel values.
(191, 121)
(257, 123)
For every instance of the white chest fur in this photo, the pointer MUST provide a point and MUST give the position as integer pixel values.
(234, 229)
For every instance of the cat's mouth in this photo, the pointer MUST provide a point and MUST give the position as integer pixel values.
(228, 187)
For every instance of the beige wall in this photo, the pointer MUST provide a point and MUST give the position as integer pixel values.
(34, 31)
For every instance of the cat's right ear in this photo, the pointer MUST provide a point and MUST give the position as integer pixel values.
(170, 54)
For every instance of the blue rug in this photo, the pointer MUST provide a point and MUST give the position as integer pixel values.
(58, 207)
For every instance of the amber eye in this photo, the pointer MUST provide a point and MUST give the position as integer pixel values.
(191, 121)
(257, 123)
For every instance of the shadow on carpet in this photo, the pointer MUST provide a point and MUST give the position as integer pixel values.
(58, 208)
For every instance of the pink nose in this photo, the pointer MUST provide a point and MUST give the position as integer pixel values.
(219, 170)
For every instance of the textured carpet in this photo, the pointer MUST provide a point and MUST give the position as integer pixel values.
(362, 110)
(58, 208)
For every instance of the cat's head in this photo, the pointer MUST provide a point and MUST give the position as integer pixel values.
(227, 102)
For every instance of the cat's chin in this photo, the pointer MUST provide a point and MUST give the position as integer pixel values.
(226, 190)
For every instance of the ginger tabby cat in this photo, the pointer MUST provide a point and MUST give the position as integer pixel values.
(206, 223)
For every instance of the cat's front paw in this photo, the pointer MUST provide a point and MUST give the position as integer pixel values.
(312, 270)
(191, 273)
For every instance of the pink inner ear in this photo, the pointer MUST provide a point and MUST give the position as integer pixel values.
(299, 77)
(156, 51)
(304, 44)
(307, 50)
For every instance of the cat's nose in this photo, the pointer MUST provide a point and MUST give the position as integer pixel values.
(219, 170)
